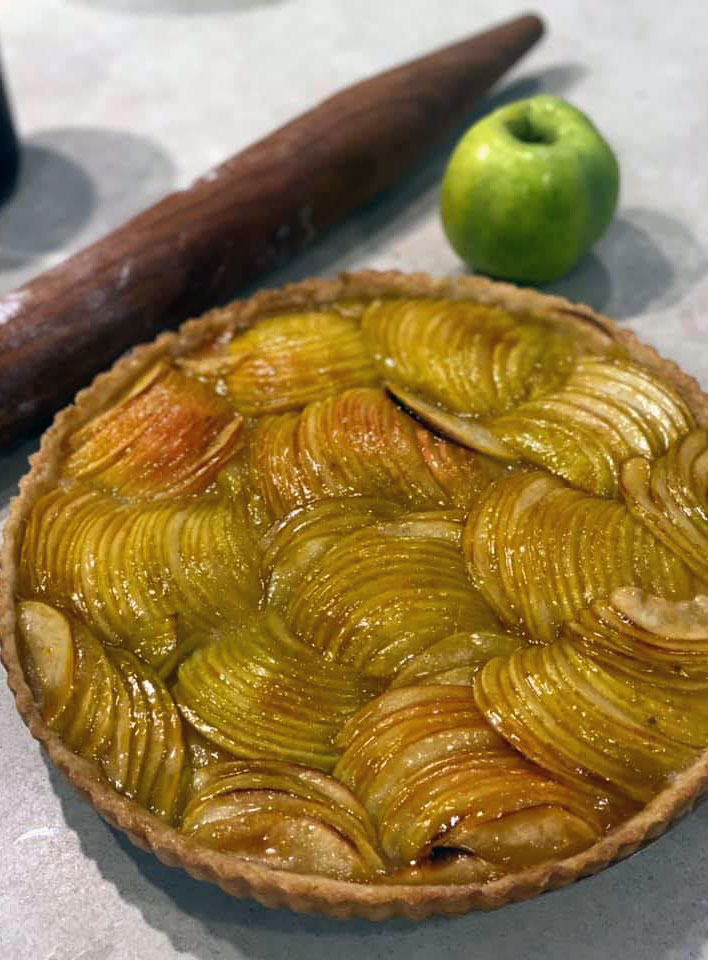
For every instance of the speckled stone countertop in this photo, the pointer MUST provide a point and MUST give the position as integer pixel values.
(121, 101)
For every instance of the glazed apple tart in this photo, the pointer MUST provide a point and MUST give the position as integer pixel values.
(373, 596)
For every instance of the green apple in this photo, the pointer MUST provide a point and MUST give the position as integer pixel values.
(528, 190)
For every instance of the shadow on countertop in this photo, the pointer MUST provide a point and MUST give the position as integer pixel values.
(646, 259)
(656, 898)
(75, 184)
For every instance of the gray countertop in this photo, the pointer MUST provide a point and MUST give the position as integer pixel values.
(121, 101)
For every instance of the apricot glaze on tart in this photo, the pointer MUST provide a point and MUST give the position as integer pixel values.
(383, 595)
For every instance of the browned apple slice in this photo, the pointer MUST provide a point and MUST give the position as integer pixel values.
(261, 692)
(385, 593)
(286, 816)
(434, 776)
(168, 437)
(356, 443)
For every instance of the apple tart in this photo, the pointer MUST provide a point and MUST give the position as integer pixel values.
(384, 595)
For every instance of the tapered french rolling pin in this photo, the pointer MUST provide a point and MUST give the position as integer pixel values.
(196, 247)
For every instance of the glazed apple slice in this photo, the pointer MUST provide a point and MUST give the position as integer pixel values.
(661, 407)
(49, 645)
(607, 411)
(539, 552)
(288, 360)
(71, 677)
(357, 443)
(574, 445)
(168, 437)
(530, 696)
(671, 621)
(261, 692)
(463, 430)
(146, 756)
(435, 810)
(663, 641)
(286, 816)
(131, 571)
(526, 838)
(170, 784)
(89, 719)
(294, 544)
(397, 734)
(385, 593)
(587, 428)
(455, 659)
(468, 358)
(117, 756)
(140, 723)
(669, 497)
(430, 769)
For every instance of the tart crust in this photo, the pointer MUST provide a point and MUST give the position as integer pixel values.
(277, 888)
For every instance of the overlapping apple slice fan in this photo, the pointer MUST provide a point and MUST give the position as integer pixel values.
(289, 619)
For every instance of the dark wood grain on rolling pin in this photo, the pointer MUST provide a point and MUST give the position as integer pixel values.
(197, 246)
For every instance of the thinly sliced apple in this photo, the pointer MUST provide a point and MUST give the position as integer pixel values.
(261, 692)
(287, 816)
(525, 839)
(466, 431)
(687, 620)
(49, 645)
(145, 757)
(650, 638)
(131, 570)
(563, 709)
(168, 437)
(288, 360)
(356, 443)
(469, 358)
(453, 867)
(455, 659)
(90, 718)
(670, 497)
(382, 595)
(540, 552)
(581, 430)
(299, 541)
(423, 760)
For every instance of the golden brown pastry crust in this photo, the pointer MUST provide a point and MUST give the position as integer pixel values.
(277, 888)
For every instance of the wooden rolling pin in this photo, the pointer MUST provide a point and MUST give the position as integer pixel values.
(197, 246)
